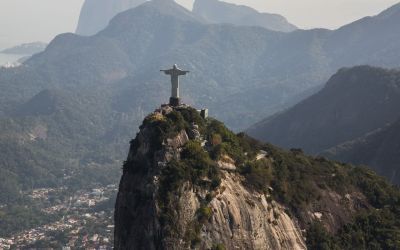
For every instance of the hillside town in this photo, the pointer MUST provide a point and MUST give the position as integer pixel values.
(85, 221)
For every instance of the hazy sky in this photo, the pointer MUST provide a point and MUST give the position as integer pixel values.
(40, 20)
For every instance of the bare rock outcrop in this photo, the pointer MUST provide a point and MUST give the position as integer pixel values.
(244, 219)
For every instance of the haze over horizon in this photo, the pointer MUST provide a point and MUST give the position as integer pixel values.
(305, 14)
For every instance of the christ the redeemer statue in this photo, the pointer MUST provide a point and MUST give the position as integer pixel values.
(175, 72)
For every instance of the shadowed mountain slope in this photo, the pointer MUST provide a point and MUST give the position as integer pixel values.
(355, 101)
(354, 119)
(379, 149)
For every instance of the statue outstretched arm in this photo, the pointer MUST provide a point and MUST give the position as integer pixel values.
(183, 72)
(167, 72)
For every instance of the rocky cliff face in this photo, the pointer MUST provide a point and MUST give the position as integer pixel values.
(246, 220)
(190, 183)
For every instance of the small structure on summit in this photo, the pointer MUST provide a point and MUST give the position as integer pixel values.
(175, 72)
(174, 100)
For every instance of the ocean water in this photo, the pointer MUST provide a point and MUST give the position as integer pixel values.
(9, 58)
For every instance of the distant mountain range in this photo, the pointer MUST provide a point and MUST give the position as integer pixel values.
(97, 89)
(272, 71)
(349, 117)
(96, 14)
(26, 49)
(216, 11)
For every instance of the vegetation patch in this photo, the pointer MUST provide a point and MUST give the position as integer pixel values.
(195, 167)
(219, 246)
(14, 218)
(379, 229)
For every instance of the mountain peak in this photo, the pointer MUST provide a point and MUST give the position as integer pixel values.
(362, 76)
(176, 172)
(150, 11)
(191, 183)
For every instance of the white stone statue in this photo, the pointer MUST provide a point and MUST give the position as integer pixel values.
(175, 72)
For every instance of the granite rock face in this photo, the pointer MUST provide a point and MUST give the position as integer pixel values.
(243, 219)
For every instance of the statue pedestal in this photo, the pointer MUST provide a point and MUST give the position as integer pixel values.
(173, 101)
